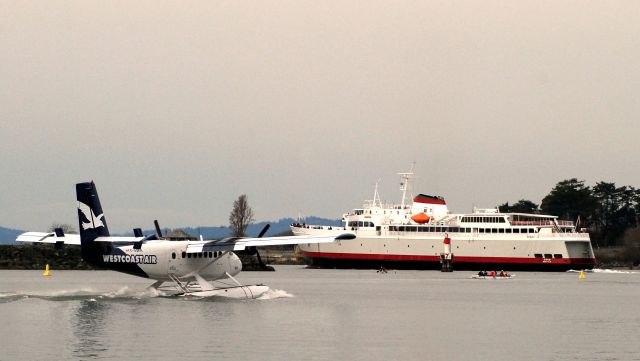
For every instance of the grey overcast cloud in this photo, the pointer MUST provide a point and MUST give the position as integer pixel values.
(175, 108)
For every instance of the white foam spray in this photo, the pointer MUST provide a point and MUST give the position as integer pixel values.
(274, 294)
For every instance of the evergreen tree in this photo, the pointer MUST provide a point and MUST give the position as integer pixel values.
(569, 199)
(521, 206)
(615, 211)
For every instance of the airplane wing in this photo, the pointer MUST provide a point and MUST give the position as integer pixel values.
(74, 239)
(42, 237)
(239, 244)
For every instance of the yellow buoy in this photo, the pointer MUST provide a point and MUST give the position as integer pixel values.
(46, 271)
(581, 274)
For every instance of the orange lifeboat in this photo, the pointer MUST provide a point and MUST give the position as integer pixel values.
(420, 218)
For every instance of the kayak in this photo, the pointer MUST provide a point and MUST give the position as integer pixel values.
(490, 277)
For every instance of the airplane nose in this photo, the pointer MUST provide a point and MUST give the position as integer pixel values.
(235, 263)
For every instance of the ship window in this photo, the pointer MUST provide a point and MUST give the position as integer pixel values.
(481, 230)
(188, 255)
(557, 255)
(200, 255)
(401, 228)
(516, 230)
(500, 230)
(537, 255)
(210, 254)
(508, 230)
(494, 230)
(453, 229)
(173, 255)
(548, 255)
(184, 254)
(501, 220)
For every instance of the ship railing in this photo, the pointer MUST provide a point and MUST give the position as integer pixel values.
(313, 226)
(541, 223)
(531, 223)
(565, 223)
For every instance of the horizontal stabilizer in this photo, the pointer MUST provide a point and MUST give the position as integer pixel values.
(42, 237)
(49, 237)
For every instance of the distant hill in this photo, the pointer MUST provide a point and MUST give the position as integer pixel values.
(277, 228)
(8, 236)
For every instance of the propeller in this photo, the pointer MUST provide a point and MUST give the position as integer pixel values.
(137, 232)
(158, 231)
(254, 250)
(264, 230)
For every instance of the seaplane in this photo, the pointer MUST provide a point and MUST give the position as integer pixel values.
(201, 268)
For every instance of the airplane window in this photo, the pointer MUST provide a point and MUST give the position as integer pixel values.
(200, 255)
(184, 254)
(173, 255)
(188, 255)
(210, 254)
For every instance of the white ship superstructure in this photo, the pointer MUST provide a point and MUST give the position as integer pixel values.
(411, 236)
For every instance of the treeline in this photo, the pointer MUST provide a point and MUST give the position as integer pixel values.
(608, 212)
(36, 256)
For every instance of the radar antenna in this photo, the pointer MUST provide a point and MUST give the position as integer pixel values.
(405, 183)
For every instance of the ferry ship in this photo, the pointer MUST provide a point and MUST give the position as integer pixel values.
(411, 236)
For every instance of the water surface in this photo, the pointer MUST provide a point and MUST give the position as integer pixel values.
(315, 314)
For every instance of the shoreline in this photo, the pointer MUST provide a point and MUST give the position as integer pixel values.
(35, 257)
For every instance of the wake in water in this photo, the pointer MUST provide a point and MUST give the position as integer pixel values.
(124, 293)
(605, 270)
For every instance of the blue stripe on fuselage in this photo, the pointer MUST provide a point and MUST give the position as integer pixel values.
(120, 261)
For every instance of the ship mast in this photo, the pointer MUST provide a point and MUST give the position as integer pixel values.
(405, 186)
(376, 198)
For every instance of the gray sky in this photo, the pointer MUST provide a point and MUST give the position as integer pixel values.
(176, 108)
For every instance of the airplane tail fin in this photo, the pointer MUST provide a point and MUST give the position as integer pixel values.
(91, 221)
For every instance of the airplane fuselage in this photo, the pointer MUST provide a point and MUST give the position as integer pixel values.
(159, 260)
